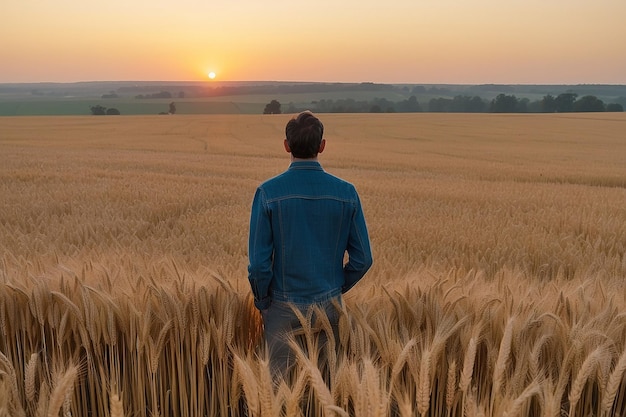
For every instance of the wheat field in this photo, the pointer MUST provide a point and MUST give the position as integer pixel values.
(497, 288)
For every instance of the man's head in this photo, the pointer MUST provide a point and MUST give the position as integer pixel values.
(304, 135)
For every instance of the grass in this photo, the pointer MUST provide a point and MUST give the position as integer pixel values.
(497, 285)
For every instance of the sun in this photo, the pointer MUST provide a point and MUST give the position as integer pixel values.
(211, 75)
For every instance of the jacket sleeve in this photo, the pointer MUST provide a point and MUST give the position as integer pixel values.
(359, 250)
(260, 251)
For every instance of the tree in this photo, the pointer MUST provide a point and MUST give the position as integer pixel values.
(113, 111)
(614, 107)
(477, 105)
(440, 105)
(548, 104)
(273, 107)
(589, 104)
(467, 104)
(410, 106)
(172, 108)
(458, 104)
(565, 102)
(504, 104)
(98, 110)
(384, 104)
(522, 105)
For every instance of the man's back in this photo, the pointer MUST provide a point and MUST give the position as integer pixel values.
(315, 218)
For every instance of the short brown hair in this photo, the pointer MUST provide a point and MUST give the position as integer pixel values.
(304, 135)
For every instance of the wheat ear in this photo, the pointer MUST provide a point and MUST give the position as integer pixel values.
(405, 405)
(401, 360)
(615, 379)
(266, 388)
(155, 349)
(292, 406)
(451, 386)
(61, 389)
(319, 386)
(250, 386)
(316, 380)
(503, 356)
(516, 407)
(468, 365)
(4, 361)
(423, 391)
(587, 368)
(30, 374)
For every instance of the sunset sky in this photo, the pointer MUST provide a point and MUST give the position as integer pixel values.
(393, 41)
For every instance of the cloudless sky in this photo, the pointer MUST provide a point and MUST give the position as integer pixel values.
(388, 41)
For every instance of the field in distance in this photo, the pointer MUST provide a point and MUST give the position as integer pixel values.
(502, 236)
(482, 192)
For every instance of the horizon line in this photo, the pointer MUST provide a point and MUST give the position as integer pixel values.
(208, 82)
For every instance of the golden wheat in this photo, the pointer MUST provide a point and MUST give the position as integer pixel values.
(497, 285)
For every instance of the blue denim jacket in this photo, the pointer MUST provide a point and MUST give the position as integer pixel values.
(302, 223)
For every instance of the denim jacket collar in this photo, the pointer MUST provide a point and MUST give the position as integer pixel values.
(314, 165)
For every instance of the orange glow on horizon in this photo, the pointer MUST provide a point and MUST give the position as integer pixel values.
(483, 41)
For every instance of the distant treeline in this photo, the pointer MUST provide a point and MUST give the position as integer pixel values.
(366, 97)
(503, 103)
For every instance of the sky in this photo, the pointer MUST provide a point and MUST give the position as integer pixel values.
(384, 41)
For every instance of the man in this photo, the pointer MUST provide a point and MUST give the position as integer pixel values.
(302, 224)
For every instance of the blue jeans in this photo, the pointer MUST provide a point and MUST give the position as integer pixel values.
(281, 322)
